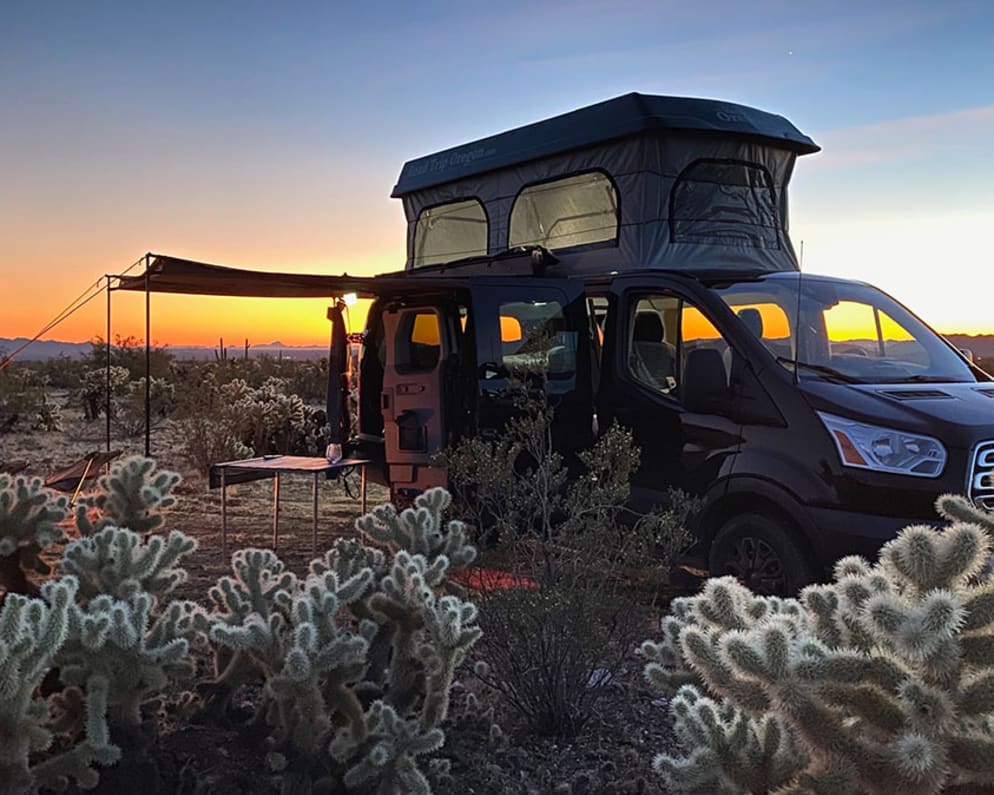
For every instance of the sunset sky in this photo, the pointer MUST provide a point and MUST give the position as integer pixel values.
(269, 135)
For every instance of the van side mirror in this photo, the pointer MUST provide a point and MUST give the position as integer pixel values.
(967, 354)
(705, 381)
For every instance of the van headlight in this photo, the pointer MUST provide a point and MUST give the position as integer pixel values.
(885, 449)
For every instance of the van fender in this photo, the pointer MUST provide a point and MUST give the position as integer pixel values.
(745, 493)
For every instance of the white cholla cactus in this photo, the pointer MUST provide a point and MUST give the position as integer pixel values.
(881, 682)
(29, 522)
(120, 563)
(358, 658)
(120, 641)
(32, 632)
(291, 633)
(132, 495)
(421, 530)
(389, 764)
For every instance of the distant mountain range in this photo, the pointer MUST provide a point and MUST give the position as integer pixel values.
(982, 346)
(43, 350)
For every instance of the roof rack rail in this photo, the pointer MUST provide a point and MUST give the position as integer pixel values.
(518, 261)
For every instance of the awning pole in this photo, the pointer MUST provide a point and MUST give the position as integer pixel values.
(148, 362)
(107, 341)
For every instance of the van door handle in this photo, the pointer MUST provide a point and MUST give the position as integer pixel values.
(491, 370)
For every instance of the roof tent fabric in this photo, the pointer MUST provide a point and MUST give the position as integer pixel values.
(700, 183)
(613, 118)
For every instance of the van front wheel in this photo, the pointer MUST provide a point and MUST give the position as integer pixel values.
(762, 554)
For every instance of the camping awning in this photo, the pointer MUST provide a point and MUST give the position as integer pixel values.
(173, 275)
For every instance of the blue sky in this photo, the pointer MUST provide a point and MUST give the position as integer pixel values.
(270, 135)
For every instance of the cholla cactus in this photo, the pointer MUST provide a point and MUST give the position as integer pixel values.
(133, 495)
(390, 763)
(29, 522)
(358, 658)
(882, 681)
(290, 631)
(957, 508)
(421, 530)
(119, 563)
(32, 632)
(119, 630)
(120, 641)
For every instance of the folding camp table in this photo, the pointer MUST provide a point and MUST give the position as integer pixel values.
(229, 472)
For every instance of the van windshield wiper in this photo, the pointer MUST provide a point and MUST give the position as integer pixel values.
(821, 369)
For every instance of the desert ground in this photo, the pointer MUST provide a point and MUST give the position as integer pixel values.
(613, 753)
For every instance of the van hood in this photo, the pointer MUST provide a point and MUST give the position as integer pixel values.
(960, 413)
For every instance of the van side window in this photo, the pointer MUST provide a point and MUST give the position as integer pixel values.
(664, 332)
(653, 330)
(572, 211)
(419, 342)
(449, 232)
(536, 339)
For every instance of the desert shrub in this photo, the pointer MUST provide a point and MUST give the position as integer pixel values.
(127, 399)
(129, 353)
(62, 372)
(357, 658)
(94, 387)
(557, 636)
(305, 378)
(879, 682)
(225, 421)
(25, 402)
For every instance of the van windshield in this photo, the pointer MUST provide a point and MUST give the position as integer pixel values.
(842, 331)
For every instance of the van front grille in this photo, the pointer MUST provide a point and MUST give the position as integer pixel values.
(980, 487)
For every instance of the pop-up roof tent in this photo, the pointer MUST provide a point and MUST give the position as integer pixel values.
(635, 182)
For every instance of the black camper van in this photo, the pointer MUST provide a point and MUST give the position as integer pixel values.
(637, 253)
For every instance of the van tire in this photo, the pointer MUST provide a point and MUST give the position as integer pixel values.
(762, 553)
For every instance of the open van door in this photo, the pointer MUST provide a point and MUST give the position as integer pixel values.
(442, 357)
(534, 332)
(417, 399)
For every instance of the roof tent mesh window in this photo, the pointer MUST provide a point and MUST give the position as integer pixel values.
(573, 211)
(725, 203)
(449, 232)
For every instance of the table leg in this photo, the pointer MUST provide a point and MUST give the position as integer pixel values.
(276, 510)
(224, 514)
(314, 529)
(362, 487)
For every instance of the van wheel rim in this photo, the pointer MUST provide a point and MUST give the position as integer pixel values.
(755, 564)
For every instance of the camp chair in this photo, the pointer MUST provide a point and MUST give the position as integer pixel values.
(13, 467)
(72, 478)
